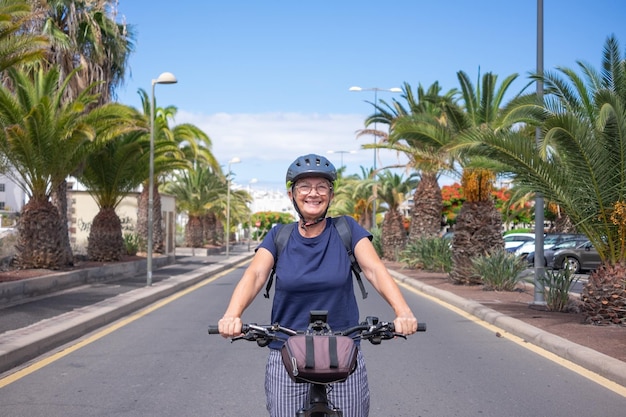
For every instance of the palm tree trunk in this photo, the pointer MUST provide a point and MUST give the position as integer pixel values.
(39, 237)
(59, 200)
(209, 228)
(393, 235)
(427, 208)
(157, 219)
(478, 231)
(563, 224)
(194, 233)
(157, 223)
(105, 242)
(142, 218)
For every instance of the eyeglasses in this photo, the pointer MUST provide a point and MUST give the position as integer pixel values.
(305, 189)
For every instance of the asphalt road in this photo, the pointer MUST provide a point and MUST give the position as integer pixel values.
(161, 362)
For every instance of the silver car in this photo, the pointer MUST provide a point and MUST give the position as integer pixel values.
(583, 257)
(548, 254)
(512, 241)
(549, 240)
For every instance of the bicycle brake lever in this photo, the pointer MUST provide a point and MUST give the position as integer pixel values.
(245, 336)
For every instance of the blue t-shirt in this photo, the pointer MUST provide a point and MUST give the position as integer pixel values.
(314, 274)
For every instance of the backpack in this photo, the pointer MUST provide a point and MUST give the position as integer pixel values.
(283, 233)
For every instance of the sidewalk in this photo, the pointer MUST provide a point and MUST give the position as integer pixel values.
(30, 327)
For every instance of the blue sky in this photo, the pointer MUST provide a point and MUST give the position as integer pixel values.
(268, 80)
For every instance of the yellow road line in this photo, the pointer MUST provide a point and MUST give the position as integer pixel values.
(598, 379)
(35, 366)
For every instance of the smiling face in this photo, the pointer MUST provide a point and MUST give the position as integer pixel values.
(312, 196)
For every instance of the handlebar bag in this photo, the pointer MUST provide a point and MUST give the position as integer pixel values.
(319, 359)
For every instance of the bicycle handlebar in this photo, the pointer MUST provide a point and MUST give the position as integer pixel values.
(371, 330)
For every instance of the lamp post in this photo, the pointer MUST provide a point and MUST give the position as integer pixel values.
(164, 78)
(341, 153)
(235, 160)
(539, 299)
(375, 90)
(252, 181)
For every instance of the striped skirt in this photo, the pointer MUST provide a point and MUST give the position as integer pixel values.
(285, 397)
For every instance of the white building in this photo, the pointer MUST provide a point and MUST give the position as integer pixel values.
(82, 208)
(12, 197)
(271, 200)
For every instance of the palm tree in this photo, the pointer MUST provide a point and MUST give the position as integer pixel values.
(85, 36)
(43, 139)
(353, 197)
(578, 165)
(193, 150)
(478, 230)
(392, 191)
(84, 40)
(422, 136)
(194, 191)
(192, 141)
(239, 208)
(111, 171)
(17, 46)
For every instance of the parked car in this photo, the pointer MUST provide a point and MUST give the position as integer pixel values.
(512, 241)
(548, 254)
(583, 257)
(549, 240)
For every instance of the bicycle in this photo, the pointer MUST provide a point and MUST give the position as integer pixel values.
(371, 330)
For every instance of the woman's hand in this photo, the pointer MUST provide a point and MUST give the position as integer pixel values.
(405, 324)
(229, 326)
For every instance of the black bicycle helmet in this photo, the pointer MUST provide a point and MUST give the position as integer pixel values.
(310, 166)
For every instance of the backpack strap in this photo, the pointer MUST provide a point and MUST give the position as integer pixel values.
(281, 237)
(346, 237)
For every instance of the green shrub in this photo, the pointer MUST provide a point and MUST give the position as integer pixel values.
(132, 242)
(499, 270)
(430, 254)
(556, 287)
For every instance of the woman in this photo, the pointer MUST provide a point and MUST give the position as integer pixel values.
(313, 273)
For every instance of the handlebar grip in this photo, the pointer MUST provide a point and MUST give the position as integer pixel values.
(421, 327)
(214, 328)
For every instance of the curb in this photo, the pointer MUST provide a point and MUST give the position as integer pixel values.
(13, 291)
(20, 346)
(592, 360)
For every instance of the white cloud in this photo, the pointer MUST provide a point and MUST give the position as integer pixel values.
(267, 143)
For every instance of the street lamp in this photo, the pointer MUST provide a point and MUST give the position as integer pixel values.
(235, 160)
(164, 78)
(539, 298)
(375, 90)
(341, 153)
(252, 181)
